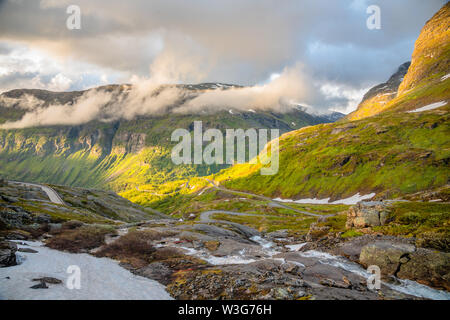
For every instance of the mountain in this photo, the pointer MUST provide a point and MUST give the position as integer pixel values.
(427, 78)
(376, 98)
(117, 153)
(395, 144)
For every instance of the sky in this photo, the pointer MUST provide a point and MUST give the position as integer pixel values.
(316, 52)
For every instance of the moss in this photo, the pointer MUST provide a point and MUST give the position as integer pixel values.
(415, 219)
(351, 234)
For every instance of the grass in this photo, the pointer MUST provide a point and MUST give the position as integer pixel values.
(414, 219)
(393, 154)
(134, 247)
(80, 239)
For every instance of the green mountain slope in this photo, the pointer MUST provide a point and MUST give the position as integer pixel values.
(118, 155)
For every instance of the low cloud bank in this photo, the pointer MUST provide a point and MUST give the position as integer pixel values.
(148, 97)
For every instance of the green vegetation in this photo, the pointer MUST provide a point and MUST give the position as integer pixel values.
(392, 154)
(418, 218)
(80, 239)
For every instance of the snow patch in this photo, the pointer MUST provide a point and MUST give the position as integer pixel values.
(350, 200)
(101, 278)
(430, 107)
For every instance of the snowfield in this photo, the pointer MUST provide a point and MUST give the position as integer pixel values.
(350, 200)
(101, 278)
(430, 107)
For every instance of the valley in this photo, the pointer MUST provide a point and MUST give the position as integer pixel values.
(370, 188)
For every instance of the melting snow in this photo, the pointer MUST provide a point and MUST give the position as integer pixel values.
(430, 107)
(101, 278)
(238, 259)
(351, 200)
(295, 247)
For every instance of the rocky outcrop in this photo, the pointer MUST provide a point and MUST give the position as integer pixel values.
(377, 97)
(7, 254)
(367, 214)
(430, 54)
(14, 217)
(405, 261)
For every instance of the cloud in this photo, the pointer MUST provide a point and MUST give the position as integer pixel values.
(147, 97)
(231, 41)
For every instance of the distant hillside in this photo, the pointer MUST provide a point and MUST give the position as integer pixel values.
(119, 154)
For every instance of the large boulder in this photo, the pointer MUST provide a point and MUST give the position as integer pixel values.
(386, 255)
(428, 267)
(405, 261)
(367, 214)
(7, 254)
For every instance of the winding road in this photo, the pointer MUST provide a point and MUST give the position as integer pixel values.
(52, 194)
(273, 202)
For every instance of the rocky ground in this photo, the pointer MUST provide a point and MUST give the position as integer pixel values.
(214, 259)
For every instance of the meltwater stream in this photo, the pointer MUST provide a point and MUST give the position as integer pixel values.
(269, 249)
(406, 286)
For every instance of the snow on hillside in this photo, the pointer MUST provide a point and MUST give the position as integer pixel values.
(350, 200)
(430, 107)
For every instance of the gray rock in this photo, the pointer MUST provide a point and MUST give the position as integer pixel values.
(40, 285)
(49, 280)
(15, 217)
(426, 266)
(27, 250)
(367, 214)
(7, 254)
(43, 218)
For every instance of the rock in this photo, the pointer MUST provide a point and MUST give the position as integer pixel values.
(9, 198)
(43, 218)
(18, 235)
(316, 232)
(280, 294)
(428, 267)
(386, 255)
(278, 234)
(404, 261)
(367, 214)
(48, 280)
(7, 254)
(41, 285)
(15, 217)
(54, 227)
(336, 284)
(291, 268)
(27, 250)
